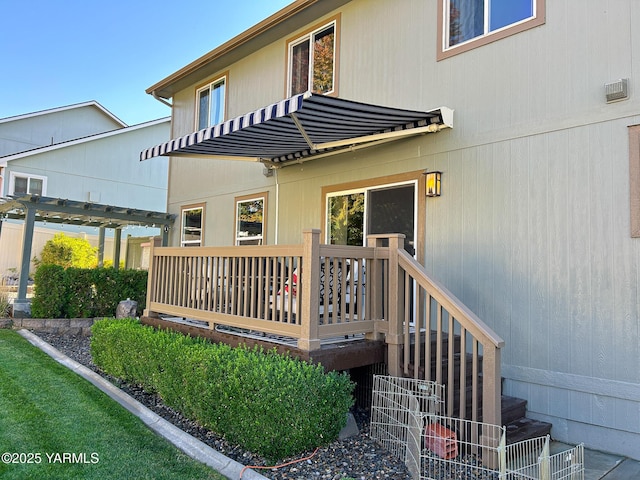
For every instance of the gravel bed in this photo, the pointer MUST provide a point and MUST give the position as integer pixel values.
(357, 457)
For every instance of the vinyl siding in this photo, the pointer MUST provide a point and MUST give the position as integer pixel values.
(532, 229)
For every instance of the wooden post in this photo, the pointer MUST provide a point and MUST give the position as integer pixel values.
(491, 403)
(373, 289)
(309, 291)
(395, 337)
(150, 283)
(491, 394)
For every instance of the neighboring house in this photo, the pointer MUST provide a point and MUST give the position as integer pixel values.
(80, 153)
(48, 127)
(536, 228)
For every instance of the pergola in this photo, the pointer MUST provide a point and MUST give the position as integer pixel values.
(34, 208)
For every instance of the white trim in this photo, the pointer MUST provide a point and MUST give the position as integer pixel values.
(486, 33)
(184, 242)
(28, 176)
(217, 81)
(91, 103)
(365, 191)
(309, 38)
(241, 240)
(79, 141)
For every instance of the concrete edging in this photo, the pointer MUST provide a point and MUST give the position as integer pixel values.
(185, 442)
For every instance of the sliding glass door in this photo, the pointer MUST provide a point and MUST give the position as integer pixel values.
(354, 214)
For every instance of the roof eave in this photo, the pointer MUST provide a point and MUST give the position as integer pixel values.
(288, 19)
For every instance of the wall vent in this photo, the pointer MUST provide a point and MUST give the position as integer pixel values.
(616, 90)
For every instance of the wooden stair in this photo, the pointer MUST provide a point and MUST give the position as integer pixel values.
(519, 427)
(514, 410)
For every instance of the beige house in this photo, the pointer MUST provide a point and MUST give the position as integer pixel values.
(318, 126)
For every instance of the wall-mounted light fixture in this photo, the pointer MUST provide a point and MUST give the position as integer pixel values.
(433, 184)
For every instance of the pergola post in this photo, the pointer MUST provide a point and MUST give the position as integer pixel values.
(101, 232)
(117, 237)
(165, 235)
(21, 306)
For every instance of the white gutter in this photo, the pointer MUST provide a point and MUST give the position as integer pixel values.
(160, 99)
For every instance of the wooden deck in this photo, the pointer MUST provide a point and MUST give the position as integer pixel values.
(342, 306)
(334, 354)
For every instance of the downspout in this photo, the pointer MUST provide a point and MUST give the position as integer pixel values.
(275, 173)
(161, 100)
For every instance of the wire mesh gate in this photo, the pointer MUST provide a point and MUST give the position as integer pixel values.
(406, 420)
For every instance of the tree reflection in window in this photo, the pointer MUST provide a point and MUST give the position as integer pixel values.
(346, 219)
(191, 227)
(312, 62)
(250, 222)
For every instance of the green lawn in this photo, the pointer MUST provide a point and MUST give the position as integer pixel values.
(55, 425)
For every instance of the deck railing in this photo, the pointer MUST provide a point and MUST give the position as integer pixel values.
(315, 291)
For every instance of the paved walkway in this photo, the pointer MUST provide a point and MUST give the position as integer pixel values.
(605, 466)
(598, 465)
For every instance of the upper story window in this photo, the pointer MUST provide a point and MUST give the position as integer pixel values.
(312, 61)
(250, 219)
(191, 226)
(211, 100)
(467, 24)
(27, 184)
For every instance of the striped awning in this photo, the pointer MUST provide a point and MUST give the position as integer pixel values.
(302, 126)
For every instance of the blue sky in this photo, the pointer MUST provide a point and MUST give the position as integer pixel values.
(60, 52)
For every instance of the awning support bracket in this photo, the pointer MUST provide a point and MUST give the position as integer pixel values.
(303, 132)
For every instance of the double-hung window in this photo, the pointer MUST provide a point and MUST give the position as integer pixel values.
(27, 184)
(312, 61)
(250, 219)
(466, 24)
(211, 100)
(191, 226)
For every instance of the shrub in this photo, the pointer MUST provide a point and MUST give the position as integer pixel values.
(5, 305)
(271, 404)
(68, 252)
(107, 292)
(79, 293)
(82, 293)
(49, 297)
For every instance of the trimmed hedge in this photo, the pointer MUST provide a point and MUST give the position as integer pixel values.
(85, 293)
(273, 405)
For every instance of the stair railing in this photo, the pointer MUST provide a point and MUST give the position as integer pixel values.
(433, 336)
